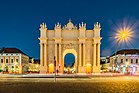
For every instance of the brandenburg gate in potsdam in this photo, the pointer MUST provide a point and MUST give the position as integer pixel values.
(82, 43)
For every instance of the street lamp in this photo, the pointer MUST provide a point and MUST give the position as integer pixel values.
(123, 35)
(59, 67)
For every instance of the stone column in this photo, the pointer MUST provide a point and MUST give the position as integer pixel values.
(98, 54)
(84, 52)
(41, 54)
(80, 55)
(88, 54)
(56, 53)
(94, 54)
(60, 69)
(45, 54)
(45, 58)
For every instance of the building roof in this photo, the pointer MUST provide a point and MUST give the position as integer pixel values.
(11, 50)
(127, 51)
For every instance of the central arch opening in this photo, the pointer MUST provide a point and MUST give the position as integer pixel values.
(69, 60)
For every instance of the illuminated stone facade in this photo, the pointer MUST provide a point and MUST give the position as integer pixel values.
(84, 44)
(125, 61)
(12, 60)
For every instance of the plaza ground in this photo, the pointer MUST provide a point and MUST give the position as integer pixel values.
(105, 84)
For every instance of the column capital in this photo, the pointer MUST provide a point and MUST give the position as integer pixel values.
(97, 38)
(43, 43)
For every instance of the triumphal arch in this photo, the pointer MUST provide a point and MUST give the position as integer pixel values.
(82, 43)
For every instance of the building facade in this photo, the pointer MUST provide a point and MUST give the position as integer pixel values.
(34, 65)
(13, 60)
(105, 64)
(83, 44)
(125, 61)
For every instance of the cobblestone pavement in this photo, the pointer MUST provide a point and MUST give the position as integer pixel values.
(120, 84)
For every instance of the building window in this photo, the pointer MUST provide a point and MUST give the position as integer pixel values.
(131, 60)
(16, 60)
(1, 60)
(136, 60)
(126, 60)
(121, 60)
(6, 60)
(12, 60)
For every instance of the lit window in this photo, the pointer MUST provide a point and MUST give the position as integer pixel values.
(1, 60)
(131, 60)
(136, 60)
(6, 60)
(16, 60)
(121, 60)
(12, 60)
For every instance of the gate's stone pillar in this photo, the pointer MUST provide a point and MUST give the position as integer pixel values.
(84, 55)
(96, 41)
(56, 54)
(94, 54)
(98, 54)
(80, 55)
(60, 61)
(45, 57)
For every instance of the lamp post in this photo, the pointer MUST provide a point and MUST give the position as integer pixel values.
(124, 34)
(59, 67)
(116, 53)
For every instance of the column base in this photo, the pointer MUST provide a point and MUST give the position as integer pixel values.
(95, 69)
(43, 70)
(81, 69)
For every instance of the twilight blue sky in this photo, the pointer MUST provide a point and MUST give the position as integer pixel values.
(20, 20)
